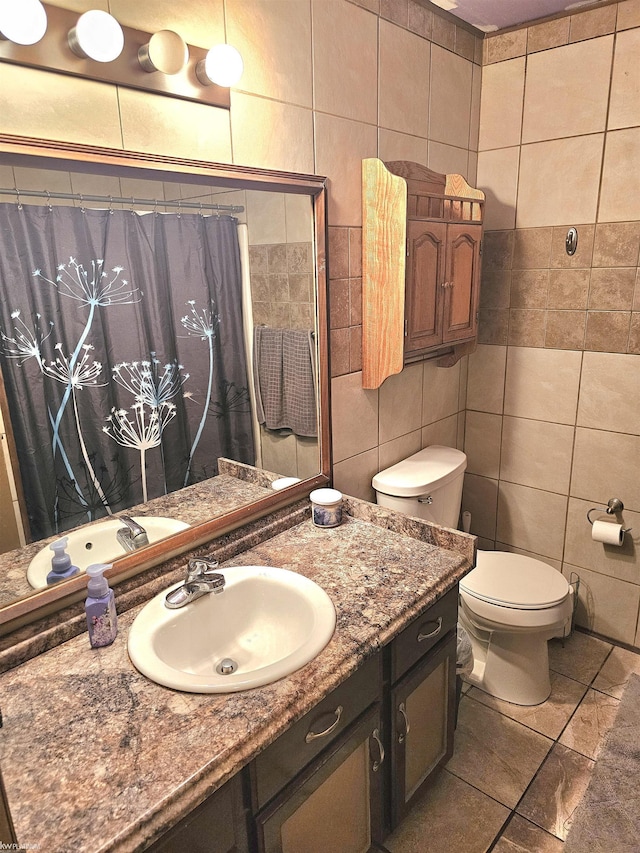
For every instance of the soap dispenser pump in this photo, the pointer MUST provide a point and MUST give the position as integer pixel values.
(61, 565)
(100, 607)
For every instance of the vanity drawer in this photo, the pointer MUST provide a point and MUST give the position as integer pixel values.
(306, 738)
(423, 633)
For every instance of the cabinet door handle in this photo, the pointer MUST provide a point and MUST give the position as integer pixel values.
(407, 727)
(313, 735)
(433, 633)
(375, 734)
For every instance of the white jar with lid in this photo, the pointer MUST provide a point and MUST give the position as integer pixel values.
(326, 507)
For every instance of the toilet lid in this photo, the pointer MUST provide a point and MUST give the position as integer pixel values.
(425, 471)
(513, 580)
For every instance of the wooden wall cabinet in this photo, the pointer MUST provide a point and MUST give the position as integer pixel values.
(422, 240)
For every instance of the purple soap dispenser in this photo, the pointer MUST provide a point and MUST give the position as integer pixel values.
(61, 565)
(100, 607)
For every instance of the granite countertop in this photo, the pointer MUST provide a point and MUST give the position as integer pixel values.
(95, 757)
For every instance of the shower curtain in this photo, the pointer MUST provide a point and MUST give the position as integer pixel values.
(122, 353)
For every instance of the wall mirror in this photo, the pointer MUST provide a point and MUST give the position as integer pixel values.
(145, 301)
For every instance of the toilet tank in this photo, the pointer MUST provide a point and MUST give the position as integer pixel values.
(427, 485)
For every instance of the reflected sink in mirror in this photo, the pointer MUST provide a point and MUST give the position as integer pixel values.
(98, 543)
(264, 625)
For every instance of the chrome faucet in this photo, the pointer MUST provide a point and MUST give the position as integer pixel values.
(132, 536)
(201, 579)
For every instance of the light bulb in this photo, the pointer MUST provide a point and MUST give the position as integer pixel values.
(98, 36)
(222, 65)
(24, 22)
(165, 52)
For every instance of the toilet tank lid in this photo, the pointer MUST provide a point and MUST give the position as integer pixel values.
(426, 470)
(514, 580)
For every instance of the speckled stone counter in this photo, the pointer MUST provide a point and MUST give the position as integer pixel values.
(95, 757)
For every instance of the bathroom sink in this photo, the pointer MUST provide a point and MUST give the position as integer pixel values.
(97, 543)
(265, 624)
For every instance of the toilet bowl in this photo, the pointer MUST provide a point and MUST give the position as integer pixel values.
(510, 605)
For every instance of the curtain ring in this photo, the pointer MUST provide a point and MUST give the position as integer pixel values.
(155, 207)
(19, 203)
(200, 209)
(49, 201)
(82, 203)
(180, 209)
(110, 205)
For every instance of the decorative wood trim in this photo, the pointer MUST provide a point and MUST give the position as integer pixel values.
(384, 229)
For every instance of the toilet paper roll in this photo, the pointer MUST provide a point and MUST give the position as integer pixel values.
(605, 531)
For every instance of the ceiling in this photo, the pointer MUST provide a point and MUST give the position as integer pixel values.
(491, 15)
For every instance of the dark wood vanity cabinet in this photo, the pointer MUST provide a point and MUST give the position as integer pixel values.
(422, 703)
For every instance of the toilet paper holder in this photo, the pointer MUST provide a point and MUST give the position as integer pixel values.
(614, 505)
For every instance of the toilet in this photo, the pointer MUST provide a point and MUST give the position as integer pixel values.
(510, 605)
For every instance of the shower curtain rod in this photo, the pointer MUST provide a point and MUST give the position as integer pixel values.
(231, 208)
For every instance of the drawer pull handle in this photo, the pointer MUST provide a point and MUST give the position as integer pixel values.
(433, 633)
(375, 734)
(313, 735)
(407, 727)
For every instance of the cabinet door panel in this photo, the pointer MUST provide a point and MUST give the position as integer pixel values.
(425, 272)
(461, 291)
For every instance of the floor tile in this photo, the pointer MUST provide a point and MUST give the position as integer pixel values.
(590, 723)
(613, 676)
(551, 716)
(580, 657)
(443, 812)
(557, 790)
(495, 754)
(521, 836)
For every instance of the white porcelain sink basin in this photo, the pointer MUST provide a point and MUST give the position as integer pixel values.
(267, 621)
(97, 543)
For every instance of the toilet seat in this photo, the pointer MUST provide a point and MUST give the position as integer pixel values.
(514, 581)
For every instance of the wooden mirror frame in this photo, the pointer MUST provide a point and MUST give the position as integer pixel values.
(43, 153)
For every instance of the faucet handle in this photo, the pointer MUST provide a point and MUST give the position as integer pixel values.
(201, 568)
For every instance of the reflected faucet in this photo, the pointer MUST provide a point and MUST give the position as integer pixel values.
(132, 536)
(201, 579)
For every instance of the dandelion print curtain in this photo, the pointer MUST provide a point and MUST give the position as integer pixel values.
(122, 355)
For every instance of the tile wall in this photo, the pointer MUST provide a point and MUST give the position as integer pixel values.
(553, 402)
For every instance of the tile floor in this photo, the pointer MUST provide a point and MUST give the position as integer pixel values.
(517, 774)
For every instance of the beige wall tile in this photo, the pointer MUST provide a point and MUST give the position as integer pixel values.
(628, 14)
(199, 22)
(498, 177)
(353, 476)
(606, 605)
(616, 244)
(620, 194)
(279, 453)
(624, 109)
(399, 448)
(439, 392)
(609, 392)
(401, 403)
(540, 165)
(341, 145)
(527, 327)
(299, 218)
(420, 19)
(444, 432)
(617, 475)
(580, 549)
(493, 326)
(266, 217)
(485, 385)
(575, 80)
(495, 291)
(565, 329)
(447, 159)
(345, 60)
(482, 443)
(450, 98)
(404, 80)
(505, 46)
(542, 384)
(607, 331)
(354, 417)
(593, 22)
(443, 31)
(517, 506)
(612, 289)
(393, 145)
(480, 498)
(73, 110)
(529, 288)
(532, 248)
(547, 35)
(536, 454)
(476, 99)
(568, 288)
(501, 104)
(582, 256)
(254, 143)
(498, 250)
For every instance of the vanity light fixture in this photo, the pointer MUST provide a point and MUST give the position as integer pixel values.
(165, 51)
(22, 21)
(222, 65)
(98, 36)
